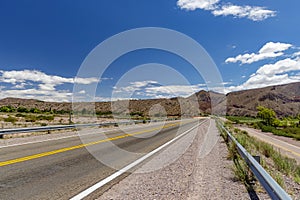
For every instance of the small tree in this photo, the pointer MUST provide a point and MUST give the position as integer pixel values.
(267, 115)
(22, 109)
(35, 110)
(7, 109)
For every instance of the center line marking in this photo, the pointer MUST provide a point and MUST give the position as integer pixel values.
(103, 182)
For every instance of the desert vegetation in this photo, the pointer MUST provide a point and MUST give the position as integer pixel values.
(284, 170)
(22, 117)
(267, 121)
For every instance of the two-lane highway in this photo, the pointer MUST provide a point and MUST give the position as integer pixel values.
(60, 169)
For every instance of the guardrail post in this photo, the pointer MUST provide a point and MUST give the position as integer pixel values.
(257, 158)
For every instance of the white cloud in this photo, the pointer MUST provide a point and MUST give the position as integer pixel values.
(38, 76)
(281, 66)
(42, 86)
(272, 74)
(254, 13)
(152, 89)
(296, 54)
(57, 96)
(82, 92)
(134, 86)
(197, 4)
(174, 90)
(20, 86)
(48, 87)
(85, 81)
(269, 50)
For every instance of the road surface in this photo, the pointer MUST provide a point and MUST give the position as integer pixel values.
(287, 146)
(60, 169)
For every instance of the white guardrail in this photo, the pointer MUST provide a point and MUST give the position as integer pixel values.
(271, 186)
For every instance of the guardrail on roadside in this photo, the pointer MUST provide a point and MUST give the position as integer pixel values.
(271, 186)
(60, 127)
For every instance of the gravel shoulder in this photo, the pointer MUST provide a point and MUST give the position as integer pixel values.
(202, 171)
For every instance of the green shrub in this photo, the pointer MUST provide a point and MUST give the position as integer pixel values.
(45, 117)
(265, 128)
(10, 119)
(7, 109)
(297, 175)
(266, 149)
(35, 110)
(23, 110)
(236, 130)
(284, 164)
(278, 178)
(30, 118)
(103, 113)
(20, 115)
(292, 130)
(44, 124)
(244, 132)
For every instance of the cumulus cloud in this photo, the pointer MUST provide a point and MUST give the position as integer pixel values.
(45, 95)
(280, 67)
(174, 90)
(134, 86)
(296, 54)
(269, 50)
(254, 13)
(47, 81)
(197, 4)
(42, 85)
(152, 89)
(272, 74)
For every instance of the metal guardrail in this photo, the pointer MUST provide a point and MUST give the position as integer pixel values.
(60, 127)
(271, 186)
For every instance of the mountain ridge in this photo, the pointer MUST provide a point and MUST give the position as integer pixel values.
(283, 99)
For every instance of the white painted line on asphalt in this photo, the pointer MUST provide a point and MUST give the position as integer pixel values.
(98, 185)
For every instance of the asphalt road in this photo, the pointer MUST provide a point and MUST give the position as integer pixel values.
(60, 169)
(285, 145)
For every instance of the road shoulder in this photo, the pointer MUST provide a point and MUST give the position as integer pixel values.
(191, 176)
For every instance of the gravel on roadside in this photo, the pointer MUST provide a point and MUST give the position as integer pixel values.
(191, 176)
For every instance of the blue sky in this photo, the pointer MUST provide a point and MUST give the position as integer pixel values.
(254, 44)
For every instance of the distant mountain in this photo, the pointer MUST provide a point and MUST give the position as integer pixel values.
(284, 99)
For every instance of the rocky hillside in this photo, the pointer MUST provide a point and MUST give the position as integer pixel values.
(284, 99)
(33, 103)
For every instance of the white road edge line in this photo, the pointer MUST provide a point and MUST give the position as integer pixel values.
(98, 185)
